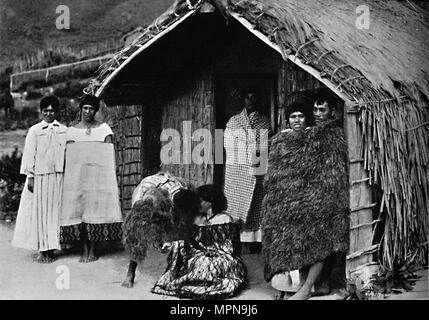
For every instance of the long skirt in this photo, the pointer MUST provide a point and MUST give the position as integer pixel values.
(37, 224)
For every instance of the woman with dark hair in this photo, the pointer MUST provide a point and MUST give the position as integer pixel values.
(93, 130)
(37, 225)
(305, 208)
(213, 204)
(298, 117)
(208, 264)
(91, 211)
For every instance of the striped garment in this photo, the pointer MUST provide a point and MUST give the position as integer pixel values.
(245, 140)
(208, 267)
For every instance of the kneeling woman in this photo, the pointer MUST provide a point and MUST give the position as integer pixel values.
(207, 265)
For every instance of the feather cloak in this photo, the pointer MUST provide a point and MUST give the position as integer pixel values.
(306, 206)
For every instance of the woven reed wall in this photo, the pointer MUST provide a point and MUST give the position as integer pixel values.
(194, 104)
(125, 121)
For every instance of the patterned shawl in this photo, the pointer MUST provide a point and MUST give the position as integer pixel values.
(245, 142)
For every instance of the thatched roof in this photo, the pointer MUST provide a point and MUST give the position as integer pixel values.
(390, 56)
(384, 71)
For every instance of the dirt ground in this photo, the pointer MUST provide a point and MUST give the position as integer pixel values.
(21, 278)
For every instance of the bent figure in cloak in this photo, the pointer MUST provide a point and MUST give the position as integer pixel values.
(153, 220)
(206, 264)
(305, 209)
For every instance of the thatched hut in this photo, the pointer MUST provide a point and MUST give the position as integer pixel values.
(188, 64)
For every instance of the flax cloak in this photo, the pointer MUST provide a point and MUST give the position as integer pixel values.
(306, 206)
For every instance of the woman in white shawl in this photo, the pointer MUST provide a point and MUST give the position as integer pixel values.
(91, 211)
(37, 224)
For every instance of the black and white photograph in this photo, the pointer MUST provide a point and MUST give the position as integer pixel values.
(237, 152)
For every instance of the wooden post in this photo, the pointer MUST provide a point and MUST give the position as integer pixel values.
(282, 91)
(273, 107)
(359, 263)
(209, 119)
(123, 162)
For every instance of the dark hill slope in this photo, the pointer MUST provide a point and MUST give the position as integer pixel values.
(29, 25)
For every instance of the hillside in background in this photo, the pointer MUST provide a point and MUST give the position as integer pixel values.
(27, 26)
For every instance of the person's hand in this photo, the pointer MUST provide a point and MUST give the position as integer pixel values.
(166, 247)
(200, 220)
(108, 139)
(30, 184)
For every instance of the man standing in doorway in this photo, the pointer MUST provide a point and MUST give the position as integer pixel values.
(323, 109)
(246, 145)
(333, 273)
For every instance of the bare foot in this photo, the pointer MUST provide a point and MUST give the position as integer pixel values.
(128, 282)
(51, 256)
(39, 258)
(322, 289)
(131, 273)
(34, 256)
(91, 254)
(91, 258)
(340, 294)
(87, 259)
(43, 257)
(279, 295)
(84, 257)
(50, 259)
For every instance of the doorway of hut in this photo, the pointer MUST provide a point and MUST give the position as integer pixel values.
(230, 101)
(242, 60)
